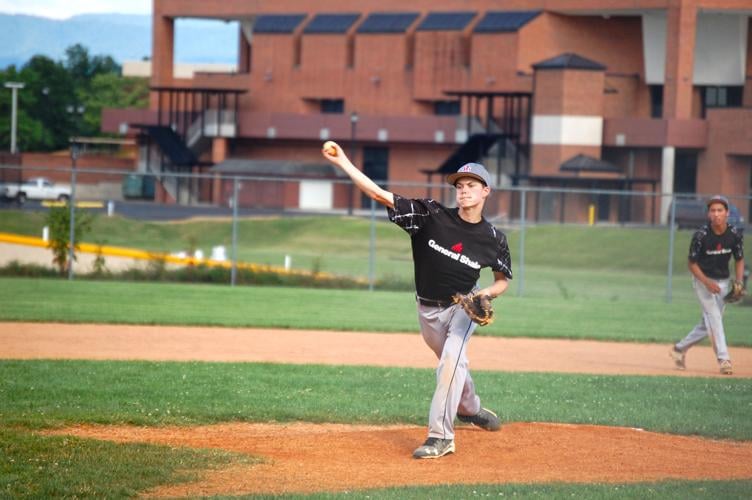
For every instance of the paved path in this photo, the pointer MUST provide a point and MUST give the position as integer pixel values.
(43, 257)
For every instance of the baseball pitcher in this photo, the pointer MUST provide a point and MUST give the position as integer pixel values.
(450, 246)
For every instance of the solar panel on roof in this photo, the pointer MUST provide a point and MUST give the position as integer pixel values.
(331, 23)
(273, 23)
(388, 23)
(503, 22)
(446, 21)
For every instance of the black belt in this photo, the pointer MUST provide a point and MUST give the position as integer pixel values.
(434, 303)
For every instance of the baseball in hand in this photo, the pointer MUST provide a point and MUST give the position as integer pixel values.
(330, 148)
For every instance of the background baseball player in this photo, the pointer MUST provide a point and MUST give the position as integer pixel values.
(450, 246)
(710, 251)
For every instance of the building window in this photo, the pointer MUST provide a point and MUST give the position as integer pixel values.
(333, 106)
(656, 101)
(721, 97)
(446, 108)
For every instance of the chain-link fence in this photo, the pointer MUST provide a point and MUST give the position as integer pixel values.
(570, 243)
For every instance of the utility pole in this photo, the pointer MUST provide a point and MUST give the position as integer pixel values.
(13, 86)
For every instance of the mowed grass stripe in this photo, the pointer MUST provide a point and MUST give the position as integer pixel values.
(671, 490)
(632, 320)
(54, 393)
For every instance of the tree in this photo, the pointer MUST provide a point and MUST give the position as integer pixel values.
(58, 220)
(43, 123)
(83, 68)
(62, 99)
(48, 93)
(109, 90)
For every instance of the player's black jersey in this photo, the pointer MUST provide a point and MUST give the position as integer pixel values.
(712, 252)
(448, 252)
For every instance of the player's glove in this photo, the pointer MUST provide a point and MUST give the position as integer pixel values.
(735, 293)
(477, 307)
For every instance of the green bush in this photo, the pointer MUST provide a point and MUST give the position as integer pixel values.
(157, 270)
(15, 268)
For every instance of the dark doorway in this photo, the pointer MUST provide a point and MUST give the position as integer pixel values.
(375, 166)
(656, 101)
(685, 172)
(603, 207)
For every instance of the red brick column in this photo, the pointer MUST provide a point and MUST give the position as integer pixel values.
(681, 24)
(566, 99)
(162, 53)
(218, 155)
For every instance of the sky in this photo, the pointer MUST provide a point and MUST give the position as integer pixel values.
(63, 9)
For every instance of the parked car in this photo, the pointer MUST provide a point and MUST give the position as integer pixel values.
(35, 188)
(692, 213)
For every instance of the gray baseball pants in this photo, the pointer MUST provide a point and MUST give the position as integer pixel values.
(711, 324)
(447, 332)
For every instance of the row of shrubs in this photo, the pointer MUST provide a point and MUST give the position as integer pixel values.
(159, 271)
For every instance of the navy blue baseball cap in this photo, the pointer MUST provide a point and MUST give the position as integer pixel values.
(718, 198)
(475, 170)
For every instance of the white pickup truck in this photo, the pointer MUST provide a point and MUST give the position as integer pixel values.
(35, 188)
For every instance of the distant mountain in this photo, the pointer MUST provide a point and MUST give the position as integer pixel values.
(124, 37)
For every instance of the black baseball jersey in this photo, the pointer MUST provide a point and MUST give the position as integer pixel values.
(448, 252)
(712, 252)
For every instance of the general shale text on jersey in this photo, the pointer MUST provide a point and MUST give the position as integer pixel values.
(463, 259)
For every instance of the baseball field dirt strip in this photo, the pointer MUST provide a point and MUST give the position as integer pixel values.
(304, 457)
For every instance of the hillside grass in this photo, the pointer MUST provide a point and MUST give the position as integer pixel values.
(51, 393)
(342, 244)
(564, 262)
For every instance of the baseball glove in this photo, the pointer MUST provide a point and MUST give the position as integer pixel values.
(735, 293)
(477, 307)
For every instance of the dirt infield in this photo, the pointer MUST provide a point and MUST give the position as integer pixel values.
(306, 458)
(177, 343)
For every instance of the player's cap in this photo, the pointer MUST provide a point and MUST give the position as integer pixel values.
(471, 170)
(718, 198)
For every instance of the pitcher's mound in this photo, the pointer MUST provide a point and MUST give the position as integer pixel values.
(307, 458)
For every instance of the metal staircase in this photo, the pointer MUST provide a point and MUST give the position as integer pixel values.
(187, 120)
(497, 139)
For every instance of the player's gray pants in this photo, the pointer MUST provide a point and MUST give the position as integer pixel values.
(447, 331)
(711, 324)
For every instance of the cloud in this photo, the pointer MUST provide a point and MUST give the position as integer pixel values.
(63, 9)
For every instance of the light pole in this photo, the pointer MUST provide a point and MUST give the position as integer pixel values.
(74, 152)
(13, 86)
(76, 111)
(353, 129)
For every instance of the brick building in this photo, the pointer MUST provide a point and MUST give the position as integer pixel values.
(652, 95)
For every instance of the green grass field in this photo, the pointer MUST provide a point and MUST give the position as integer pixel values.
(616, 294)
(576, 317)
